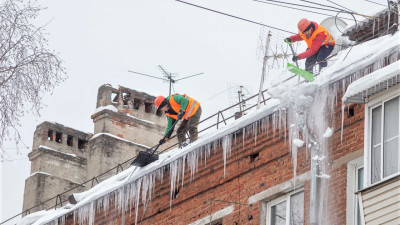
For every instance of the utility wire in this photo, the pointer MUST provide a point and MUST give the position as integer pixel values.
(340, 5)
(375, 2)
(304, 10)
(306, 6)
(322, 5)
(236, 17)
(358, 14)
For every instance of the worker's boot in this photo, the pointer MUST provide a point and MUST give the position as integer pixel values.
(182, 144)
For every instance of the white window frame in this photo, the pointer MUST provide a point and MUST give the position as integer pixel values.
(374, 102)
(352, 181)
(278, 200)
(356, 196)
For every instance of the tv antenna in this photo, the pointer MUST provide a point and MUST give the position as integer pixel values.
(167, 76)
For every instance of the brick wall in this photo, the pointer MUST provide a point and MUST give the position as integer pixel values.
(246, 175)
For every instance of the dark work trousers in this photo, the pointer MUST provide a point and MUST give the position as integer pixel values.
(189, 125)
(323, 52)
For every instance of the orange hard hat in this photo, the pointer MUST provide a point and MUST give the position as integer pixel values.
(303, 24)
(159, 100)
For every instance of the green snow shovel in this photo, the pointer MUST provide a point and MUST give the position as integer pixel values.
(296, 70)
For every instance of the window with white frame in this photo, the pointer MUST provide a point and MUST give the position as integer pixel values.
(355, 182)
(384, 141)
(287, 210)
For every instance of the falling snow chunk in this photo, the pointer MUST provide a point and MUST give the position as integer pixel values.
(299, 143)
(328, 132)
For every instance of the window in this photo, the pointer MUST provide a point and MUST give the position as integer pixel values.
(50, 136)
(58, 137)
(148, 107)
(287, 210)
(82, 144)
(384, 124)
(70, 140)
(355, 182)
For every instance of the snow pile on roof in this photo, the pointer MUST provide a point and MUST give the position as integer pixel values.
(372, 83)
(354, 59)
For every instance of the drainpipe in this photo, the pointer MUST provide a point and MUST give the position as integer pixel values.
(314, 210)
(313, 187)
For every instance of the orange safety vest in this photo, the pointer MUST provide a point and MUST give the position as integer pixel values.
(328, 40)
(191, 108)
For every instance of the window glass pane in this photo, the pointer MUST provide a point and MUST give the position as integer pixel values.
(391, 129)
(278, 214)
(391, 157)
(297, 209)
(376, 144)
(391, 138)
(376, 126)
(376, 164)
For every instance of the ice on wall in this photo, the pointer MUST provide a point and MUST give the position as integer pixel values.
(328, 132)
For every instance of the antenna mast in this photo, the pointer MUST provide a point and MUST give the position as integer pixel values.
(263, 69)
(168, 77)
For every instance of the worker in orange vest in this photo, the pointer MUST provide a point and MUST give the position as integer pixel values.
(177, 107)
(319, 41)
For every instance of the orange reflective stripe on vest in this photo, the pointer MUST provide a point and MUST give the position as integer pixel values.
(191, 108)
(328, 40)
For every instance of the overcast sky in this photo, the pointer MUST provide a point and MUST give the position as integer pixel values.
(101, 40)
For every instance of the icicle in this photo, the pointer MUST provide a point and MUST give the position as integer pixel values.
(226, 148)
(243, 135)
(190, 164)
(373, 27)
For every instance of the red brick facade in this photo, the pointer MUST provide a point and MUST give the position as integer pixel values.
(251, 168)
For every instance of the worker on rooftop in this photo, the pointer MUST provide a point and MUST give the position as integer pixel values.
(319, 41)
(177, 107)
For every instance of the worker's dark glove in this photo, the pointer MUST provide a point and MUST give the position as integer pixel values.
(295, 58)
(162, 141)
(288, 41)
(180, 114)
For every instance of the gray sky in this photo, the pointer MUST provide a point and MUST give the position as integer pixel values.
(101, 40)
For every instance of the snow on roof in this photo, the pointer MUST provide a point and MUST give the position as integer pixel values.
(111, 135)
(109, 107)
(353, 59)
(39, 172)
(374, 13)
(132, 178)
(133, 173)
(52, 149)
(146, 121)
(114, 109)
(375, 82)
